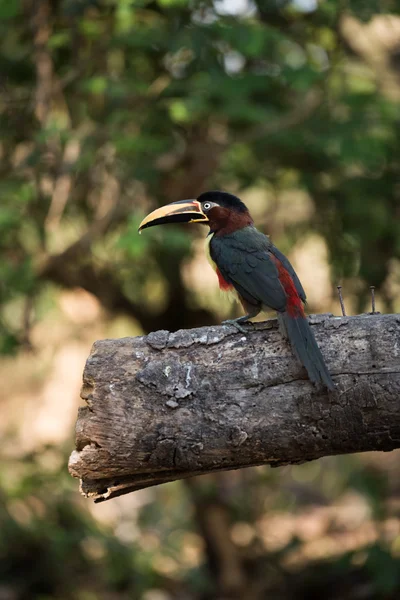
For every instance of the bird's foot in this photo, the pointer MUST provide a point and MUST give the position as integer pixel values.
(238, 324)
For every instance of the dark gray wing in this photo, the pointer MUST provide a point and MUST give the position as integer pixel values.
(244, 259)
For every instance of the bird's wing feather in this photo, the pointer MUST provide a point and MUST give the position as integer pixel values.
(244, 259)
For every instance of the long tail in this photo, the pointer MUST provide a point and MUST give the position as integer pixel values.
(306, 348)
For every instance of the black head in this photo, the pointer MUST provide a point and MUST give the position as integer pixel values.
(224, 199)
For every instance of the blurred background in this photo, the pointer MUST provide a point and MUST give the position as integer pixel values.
(109, 108)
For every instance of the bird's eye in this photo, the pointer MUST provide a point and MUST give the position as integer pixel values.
(207, 206)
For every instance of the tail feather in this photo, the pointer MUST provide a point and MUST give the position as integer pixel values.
(306, 348)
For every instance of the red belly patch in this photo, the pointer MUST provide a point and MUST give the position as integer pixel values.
(223, 284)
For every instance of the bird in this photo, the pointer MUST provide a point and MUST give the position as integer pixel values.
(250, 265)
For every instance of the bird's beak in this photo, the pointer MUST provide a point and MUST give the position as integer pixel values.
(184, 211)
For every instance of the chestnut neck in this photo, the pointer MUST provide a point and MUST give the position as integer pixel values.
(223, 221)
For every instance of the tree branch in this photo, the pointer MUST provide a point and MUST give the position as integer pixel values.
(173, 405)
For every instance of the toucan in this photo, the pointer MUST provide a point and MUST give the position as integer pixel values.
(247, 263)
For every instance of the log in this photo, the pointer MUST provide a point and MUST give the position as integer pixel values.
(169, 406)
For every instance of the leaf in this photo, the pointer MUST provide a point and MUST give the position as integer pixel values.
(9, 9)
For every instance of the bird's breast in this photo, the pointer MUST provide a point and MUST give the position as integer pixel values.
(223, 284)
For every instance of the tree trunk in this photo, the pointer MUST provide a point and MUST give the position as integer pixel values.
(173, 405)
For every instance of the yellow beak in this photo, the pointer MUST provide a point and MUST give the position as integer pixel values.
(184, 211)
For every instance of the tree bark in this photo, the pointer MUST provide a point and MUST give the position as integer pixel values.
(173, 405)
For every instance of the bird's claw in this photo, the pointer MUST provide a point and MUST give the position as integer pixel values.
(238, 325)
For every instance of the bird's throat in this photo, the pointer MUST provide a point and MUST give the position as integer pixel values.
(223, 221)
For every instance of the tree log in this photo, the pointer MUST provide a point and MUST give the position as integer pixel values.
(173, 405)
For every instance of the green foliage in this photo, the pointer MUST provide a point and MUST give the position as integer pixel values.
(155, 91)
(9, 10)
